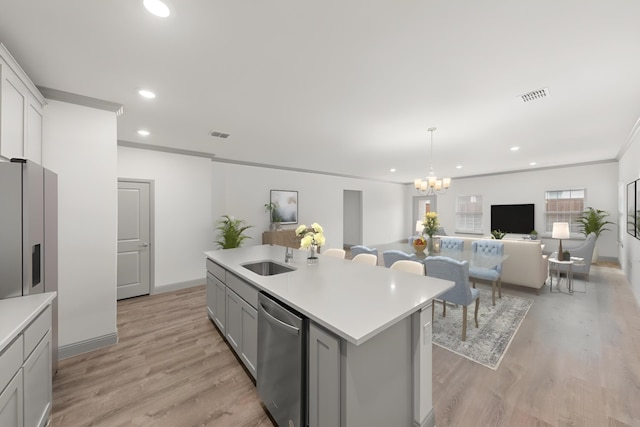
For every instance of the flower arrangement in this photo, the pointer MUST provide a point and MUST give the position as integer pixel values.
(311, 236)
(430, 223)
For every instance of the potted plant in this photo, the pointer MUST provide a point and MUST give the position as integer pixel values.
(593, 221)
(231, 232)
(497, 234)
(533, 235)
(274, 216)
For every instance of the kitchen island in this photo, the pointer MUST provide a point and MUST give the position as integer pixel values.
(25, 360)
(369, 338)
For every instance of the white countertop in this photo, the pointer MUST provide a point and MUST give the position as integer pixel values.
(354, 301)
(16, 314)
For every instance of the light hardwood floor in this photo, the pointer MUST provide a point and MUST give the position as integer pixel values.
(574, 362)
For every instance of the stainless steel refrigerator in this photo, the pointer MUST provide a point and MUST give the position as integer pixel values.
(29, 234)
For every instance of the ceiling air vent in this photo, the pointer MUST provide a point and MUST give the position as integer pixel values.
(536, 94)
(219, 134)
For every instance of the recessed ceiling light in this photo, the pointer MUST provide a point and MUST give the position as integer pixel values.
(532, 164)
(392, 170)
(514, 148)
(143, 132)
(157, 7)
(459, 167)
(146, 94)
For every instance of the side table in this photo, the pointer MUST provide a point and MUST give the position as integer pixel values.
(569, 263)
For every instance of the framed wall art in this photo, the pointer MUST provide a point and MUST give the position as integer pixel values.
(285, 205)
(636, 212)
(632, 209)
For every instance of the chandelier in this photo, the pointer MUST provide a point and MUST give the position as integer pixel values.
(432, 185)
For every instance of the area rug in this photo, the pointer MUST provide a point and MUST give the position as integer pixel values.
(488, 343)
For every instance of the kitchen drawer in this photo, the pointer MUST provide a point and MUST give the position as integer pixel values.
(36, 377)
(36, 330)
(216, 270)
(246, 291)
(10, 361)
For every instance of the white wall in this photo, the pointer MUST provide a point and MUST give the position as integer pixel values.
(183, 219)
(242, 191)
(599, 180)
(79, 144)
(630, 250)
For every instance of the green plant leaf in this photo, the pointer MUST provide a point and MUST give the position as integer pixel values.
(231, 232)
(593, 221)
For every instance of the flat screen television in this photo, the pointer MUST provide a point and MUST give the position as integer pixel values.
(518, 219)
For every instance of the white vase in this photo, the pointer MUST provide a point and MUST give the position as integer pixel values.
(312, 257)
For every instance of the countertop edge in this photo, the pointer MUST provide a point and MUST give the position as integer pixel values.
(28, 307)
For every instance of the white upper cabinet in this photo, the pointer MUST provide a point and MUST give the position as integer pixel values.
(21, 105)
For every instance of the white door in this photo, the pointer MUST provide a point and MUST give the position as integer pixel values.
(422, 205)
(352, 217)
(134, 245)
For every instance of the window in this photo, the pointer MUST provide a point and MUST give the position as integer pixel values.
(563, 206)
(469, 214)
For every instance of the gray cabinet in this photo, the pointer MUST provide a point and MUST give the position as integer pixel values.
(352, 385)
(220, 313)
(25, 376)
(37, 384)
(324, 378)
(249, 343)
(216, 302)
(21, 106)
(216, 291)
(211, 295)
(11, 404)
(242, 330)
(231, 305)
(234, 321)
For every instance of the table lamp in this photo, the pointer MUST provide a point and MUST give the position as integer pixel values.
(560, 231)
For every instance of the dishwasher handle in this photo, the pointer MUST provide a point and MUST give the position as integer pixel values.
(277, 322)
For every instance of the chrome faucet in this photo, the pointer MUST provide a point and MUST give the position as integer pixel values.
(288, 254)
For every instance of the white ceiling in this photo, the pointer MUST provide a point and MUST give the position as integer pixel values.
(350, 86)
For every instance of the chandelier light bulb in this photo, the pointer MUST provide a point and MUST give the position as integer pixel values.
(157, 8)
(432, 184)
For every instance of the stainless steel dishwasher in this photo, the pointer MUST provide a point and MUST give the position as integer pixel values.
(282, 355)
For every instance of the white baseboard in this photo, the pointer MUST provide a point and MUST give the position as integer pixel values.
(86, 346)
(179, 285)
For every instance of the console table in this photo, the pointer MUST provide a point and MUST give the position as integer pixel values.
(286, 237)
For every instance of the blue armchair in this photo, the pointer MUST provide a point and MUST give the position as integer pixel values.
(359, 249)
(391, 256)
(451, 244)
(493, 275)
(462, 293)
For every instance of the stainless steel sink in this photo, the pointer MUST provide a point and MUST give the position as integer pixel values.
(267, 268)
